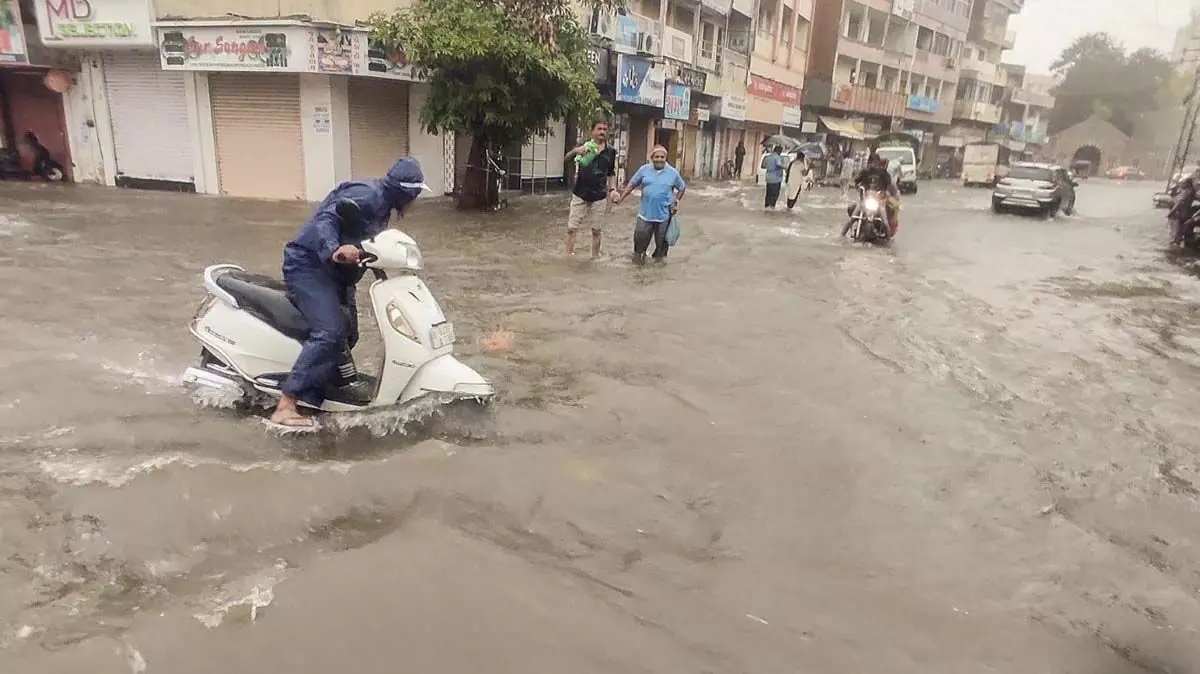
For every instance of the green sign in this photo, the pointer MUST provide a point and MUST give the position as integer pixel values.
(85, 29)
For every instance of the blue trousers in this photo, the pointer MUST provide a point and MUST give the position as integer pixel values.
(329, 308)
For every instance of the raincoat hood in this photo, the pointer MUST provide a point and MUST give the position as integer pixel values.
(403, 182)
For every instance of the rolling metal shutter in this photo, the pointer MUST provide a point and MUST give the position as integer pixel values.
(378, 125)
(148, 107)
(256, 120)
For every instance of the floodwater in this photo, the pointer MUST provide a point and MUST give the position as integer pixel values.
(973, 451)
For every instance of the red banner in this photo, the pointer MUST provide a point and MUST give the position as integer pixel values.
(776, 91)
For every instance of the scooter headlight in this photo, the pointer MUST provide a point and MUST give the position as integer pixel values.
(399, 323)
(871, 204)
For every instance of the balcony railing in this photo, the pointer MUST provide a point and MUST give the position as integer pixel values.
(857, 98)
(977, 112)
(1032, 98)
(677, 44)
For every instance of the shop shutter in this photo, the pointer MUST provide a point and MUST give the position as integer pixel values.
(149, 114)
(256, 120)
(378, 125)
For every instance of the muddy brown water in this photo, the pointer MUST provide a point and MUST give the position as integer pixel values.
(972, 451)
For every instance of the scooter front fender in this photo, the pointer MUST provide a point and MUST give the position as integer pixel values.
(447, 374)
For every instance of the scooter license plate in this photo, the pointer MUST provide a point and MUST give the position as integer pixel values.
(441, 335)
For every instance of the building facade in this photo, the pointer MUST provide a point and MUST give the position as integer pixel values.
(883, 65)
(982, 90)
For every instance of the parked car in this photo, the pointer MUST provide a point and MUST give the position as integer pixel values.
(1042, 188)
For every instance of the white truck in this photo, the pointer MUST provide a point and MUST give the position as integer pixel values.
(982, 164)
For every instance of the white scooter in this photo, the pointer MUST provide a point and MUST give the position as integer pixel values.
(251, 335)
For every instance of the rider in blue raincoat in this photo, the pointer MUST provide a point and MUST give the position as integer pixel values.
(319, 267)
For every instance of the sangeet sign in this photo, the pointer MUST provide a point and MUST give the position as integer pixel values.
(95, 23)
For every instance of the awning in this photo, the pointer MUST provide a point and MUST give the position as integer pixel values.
(843, 127)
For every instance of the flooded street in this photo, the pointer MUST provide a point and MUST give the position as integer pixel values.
(974, 451)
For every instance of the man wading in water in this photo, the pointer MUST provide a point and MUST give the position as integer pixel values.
(595, 180)
(662, 189)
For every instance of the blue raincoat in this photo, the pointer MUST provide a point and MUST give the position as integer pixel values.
(322, 290)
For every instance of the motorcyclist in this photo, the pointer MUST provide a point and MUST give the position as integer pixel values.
(876, 178)
(1185, 194)
(320, 270)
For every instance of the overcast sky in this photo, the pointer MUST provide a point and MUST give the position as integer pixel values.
(1045, 27)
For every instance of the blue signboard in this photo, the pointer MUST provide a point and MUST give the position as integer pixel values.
(638, 81)
(678, 102)
(923, 104)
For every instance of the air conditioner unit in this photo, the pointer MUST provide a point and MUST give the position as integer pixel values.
(605, 24)
(647, 43)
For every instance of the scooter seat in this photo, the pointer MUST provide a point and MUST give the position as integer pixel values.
(266, 299)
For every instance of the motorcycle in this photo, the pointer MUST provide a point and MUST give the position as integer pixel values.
(869, 221)
(250, 334)
(1189, 236)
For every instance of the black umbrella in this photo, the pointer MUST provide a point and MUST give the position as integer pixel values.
(788, 143)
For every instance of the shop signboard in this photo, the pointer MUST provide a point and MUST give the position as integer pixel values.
(83, 24)
(695, 79)
(792, 116)
(12, 34)
(271, 48)
(733, 106)
(678, 103)
(337, 51)
(703, 114)
(640, 81)
(599, 57)
(383, 61)
(772, 90)
(923, 104)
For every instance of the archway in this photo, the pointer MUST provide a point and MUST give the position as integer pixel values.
(1089, 153)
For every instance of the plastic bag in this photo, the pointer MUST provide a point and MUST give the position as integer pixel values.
(673, 231)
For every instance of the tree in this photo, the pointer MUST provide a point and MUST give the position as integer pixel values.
(1098, 75)
(499, 70)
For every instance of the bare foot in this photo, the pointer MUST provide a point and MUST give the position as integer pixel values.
(287, 414)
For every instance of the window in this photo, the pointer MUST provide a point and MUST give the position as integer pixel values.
(854, 26)
(924, 38)
(941, 44)
(785, 37)
(870, 80)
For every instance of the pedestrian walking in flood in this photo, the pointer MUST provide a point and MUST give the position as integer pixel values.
(774, 166)
(662, 190)
(595, 183)
(739, 156)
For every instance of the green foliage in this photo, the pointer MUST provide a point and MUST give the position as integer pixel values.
(501, 70)
(1099, 77)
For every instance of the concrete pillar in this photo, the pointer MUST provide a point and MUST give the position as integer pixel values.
(204, 139)
(326, 146)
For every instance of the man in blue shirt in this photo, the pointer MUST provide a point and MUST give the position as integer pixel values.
(662, 189)
(773, 163)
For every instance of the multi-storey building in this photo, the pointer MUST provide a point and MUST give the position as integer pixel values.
(879, 65)
(982, 87)
(1027, 109)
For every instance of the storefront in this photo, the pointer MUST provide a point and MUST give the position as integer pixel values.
(31, 97)
(148, 112)
(640, 96)
(686, 98)
(765, 103)
(378, 124)
(141, 111)
(730, 112)
(256, 132)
